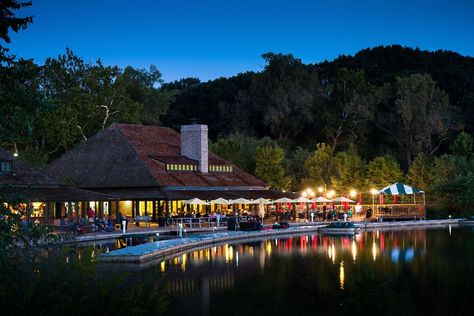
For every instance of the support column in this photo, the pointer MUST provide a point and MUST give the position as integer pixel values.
(117, 210)
(153, 217)
(69, 210)
(46, 212)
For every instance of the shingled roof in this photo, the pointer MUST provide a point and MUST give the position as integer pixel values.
(125, 156)
(23, 174)
(35, 185)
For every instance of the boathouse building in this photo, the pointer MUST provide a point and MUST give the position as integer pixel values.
(151, 170)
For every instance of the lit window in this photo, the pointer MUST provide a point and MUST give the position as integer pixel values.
(6, 166)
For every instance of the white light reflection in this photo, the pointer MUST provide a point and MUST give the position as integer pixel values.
(341, 275)
(354, 250)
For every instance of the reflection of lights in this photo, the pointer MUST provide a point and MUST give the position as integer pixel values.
(208, 254)
(449, 228)
(341, 275)
(163, 266)
(236, 258)
(228, 253)
(374, 250)
(269, 248)
(332, 253)
(378, 234)
(183, 262)
(354, 250)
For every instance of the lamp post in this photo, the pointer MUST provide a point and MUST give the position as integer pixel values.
(373, 192)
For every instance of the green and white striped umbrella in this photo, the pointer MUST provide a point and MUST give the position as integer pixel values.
(399, 188)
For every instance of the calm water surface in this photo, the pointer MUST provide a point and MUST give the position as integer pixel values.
(405, 272)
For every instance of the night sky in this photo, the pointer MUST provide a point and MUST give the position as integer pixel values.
(209, 39)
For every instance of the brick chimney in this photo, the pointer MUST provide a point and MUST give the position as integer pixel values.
(194, 144)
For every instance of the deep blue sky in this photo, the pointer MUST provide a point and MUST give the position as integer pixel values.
(209, 39)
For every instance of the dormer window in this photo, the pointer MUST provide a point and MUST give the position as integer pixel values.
(221, 168)
(6, 166)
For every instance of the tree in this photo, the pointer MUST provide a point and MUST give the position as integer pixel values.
(462, 145)
(383, 171)
(240, 150)
(351, 107)
(421, 116)
(320, 165)
(420, 173)
(350, 170)
(286, 95)
(9, 21)
(270, 167)
(296, 167)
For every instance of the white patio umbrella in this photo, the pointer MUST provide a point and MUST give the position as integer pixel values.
(261, 201)
(220, 201)
(240, 201)
(283, 200)
(342, 199)
(301, 199)
(195, 201)
(320, 199)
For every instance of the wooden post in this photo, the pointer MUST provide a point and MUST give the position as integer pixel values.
(117, 210)
(46, 213)
(69, 210)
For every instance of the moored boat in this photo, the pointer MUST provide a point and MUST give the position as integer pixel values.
(340, 228)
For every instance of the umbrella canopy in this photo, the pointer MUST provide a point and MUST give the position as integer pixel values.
(320, 199)
(399, 188)
(301, 199)
(261, 201)
(342, 199)
(283, 200)
(220, 201)
(240, 201)
(196, 201)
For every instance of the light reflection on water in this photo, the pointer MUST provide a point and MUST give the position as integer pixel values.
(397, 245)
(379, 268)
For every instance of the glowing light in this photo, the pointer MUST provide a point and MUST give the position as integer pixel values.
(333, 253)
(354, 250)
(15, 154)
(331, 194)
(341, 275)
(183, 262)
(269, 248)
(373, 191)
(374, 250)
(320, 189)
(36, 205)
(353, 193)
(163, 266)
(304, 194)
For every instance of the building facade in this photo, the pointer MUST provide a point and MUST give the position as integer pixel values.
(152, 170)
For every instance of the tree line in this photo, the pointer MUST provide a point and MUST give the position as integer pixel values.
(385, 114)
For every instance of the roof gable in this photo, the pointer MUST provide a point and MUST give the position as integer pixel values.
(126, 155)
(104, 160)
(24, 174)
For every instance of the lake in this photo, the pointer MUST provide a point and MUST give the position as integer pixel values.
(396, 272)
(393, 272)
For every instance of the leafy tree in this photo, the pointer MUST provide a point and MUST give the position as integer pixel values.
(383, 171)
(270, 167)
(462, 145)
(240, 150)
(320, 165)
(22, 104)
(421, 116)
(296, 167)
(350, 170)
(286, 95)
(351, 107)
(420, 173)
(9, 21)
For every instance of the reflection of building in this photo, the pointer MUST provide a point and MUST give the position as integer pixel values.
(49, 197)
(153, 169)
